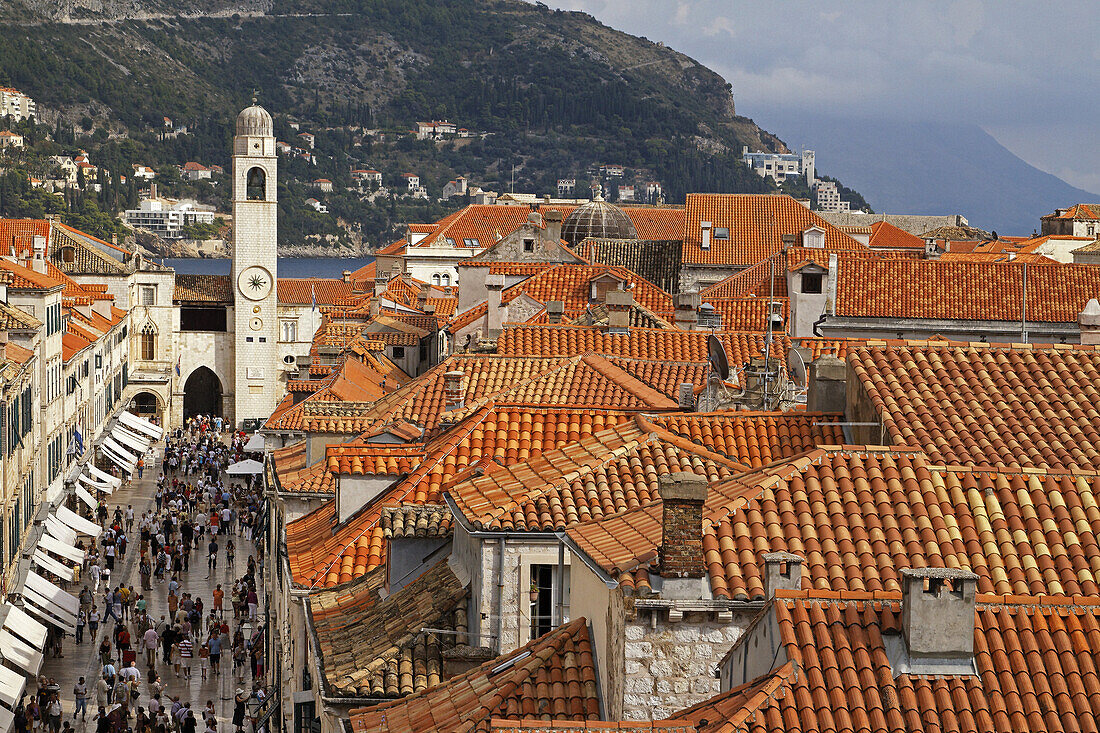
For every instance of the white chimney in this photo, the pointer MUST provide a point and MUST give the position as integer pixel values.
(39, 263)
(704, 241)
(494, 284)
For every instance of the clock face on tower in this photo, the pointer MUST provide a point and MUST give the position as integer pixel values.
(254, 282)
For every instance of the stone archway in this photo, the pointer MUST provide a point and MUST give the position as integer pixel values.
(202, 393)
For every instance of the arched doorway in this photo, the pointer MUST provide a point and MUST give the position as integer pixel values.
(145, 404)
(202, 393)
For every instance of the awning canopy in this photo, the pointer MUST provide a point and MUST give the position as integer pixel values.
(128, 439)
(118, 461)
(98, 486)
(20, 653)
(77, 522)
(48, 612)
(255, 444)
(58, 529)
(140, 425)
(12, 685)
(102, 476)
(56, 567)
(245, 468)
(124, 454)
(65, 600)
(61, 549)
(84, 496)
(26, 628)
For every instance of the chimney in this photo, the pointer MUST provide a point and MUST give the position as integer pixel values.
(422, 297)
(555, 310)
(788, 240)
(494, 284)
(114, 238)
(39, 263)
(782, 571)
(687, 315)
(828, 385)
(462, 658)
(375, 306)
(381, 281)
(1089, 321)
(553, 225)
(931, 250)
(619, 303)
(347, 276)
(3, 344)
(453, 394)
(937, 614)
(6, 279)
(704, 241)
(687, 397)
(535, 218)
(683, 495)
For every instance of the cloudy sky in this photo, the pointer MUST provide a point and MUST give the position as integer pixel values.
(1026, 72)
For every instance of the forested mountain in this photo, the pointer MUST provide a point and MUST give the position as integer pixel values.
(556, 92)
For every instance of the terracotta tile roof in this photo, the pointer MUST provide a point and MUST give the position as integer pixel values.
(25, 278)
(755, 280)
(1021, 258)
(963, 290)
(202, 289)
(538, 725)
(885, 235)
(509, 268)
(756, 223)
(552, 676)
(18, 354)
(1087, 212)
(373, 459)
(290, 457)
(755, 438)
(13, 319)
(365, 275)
(17, 235)
(315, 479)
(375, 647)
(607, 473)
(324, 555)
(1035, 671)
(838, 347)
(1030, 406)
(859, 515)
(747, 314)
(302, 290)
(651, 344)
(72, 344)
(656, 223)
(663, 376)
(396, 248)
(598, 315)
(417, 520)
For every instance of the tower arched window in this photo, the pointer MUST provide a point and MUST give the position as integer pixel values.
(148, 342)
(256, 184)
(446, 279)
(436, 279)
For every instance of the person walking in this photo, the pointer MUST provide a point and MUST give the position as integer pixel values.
(80, 694)
(150, 641)
(212, 562)
(81, 621)
(187, 652)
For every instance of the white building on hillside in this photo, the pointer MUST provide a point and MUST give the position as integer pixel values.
(16, 104)
(781, 166)
(166, 217)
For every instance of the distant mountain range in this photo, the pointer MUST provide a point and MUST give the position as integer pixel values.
(933, 168)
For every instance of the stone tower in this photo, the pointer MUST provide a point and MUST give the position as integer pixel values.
(255, 258)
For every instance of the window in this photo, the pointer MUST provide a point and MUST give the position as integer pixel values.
(811, 283)
(436, 279)
(446, 279)
(544, 613)
(398, 352)
(721, 232)
(68, 254)
(471, 242)
(148, 345)
(288, 330)
(450, 242)
(147, 295)
(528, 245)
(256, 184)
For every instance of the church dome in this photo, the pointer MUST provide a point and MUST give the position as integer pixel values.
(255, 121)
(599, 220)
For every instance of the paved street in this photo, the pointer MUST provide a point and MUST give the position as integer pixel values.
(82, 660)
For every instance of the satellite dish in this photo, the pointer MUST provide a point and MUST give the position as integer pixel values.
(797, 367)
(717, 357)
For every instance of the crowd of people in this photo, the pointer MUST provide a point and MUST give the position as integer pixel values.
(143, 643)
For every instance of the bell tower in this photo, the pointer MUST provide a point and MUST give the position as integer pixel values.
(255, 266)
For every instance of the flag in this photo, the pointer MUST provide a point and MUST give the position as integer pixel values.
(178, 364)
(313, 297)
(76, 444)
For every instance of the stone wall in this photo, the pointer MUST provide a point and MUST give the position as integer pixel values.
(693, 277)
(671, 666)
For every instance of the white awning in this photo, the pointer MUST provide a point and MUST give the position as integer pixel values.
(119, 461)
(128, 439)
(12, 685)
(56, 567)
(124, 454)
(46, 609)
(60, 530)
(77, 522)
(84, 496)
(22, 625)
(52, 593)
(7, 718)
(245, 468)
(61, 549)
(103, 476)
(97, 485)
(140, 425)
(255, 444)
(38, 605)
(20, 653)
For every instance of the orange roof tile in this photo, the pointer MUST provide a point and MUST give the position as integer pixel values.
(25, 278)
(304, 290)
(755, 438)
(885, 235)
(640, 343)
(17, 235)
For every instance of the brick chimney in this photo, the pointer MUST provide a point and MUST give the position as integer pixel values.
(782, 571)
(553, 225)
(683, 495)
(555, 310)
(1089, 321)
(453, 394)
(619, 303)
(494, 284)
(937, 614)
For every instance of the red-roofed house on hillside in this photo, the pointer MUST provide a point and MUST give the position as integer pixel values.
(1080, 220)
(193, 171)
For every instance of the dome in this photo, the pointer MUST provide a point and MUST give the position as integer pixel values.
(255, 121)
(597, 219)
